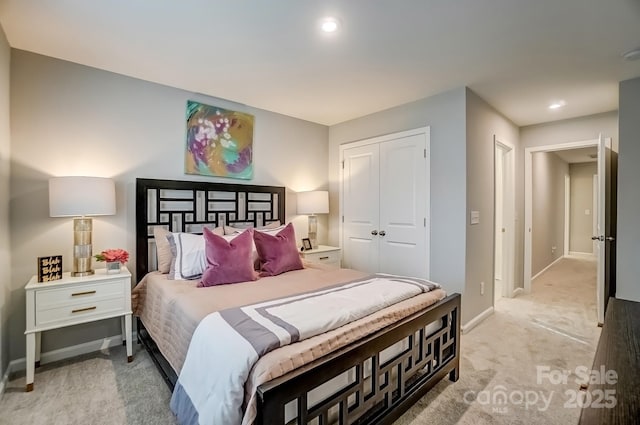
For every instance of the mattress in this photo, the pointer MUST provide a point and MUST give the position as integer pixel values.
(171, 310)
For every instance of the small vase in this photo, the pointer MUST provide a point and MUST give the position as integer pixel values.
(113, 267)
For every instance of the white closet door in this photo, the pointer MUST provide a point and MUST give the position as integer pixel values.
(403, 229)
(360, 193)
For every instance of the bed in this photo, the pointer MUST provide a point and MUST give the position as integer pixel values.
(360, 373)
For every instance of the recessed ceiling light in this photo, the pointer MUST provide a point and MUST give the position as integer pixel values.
(558, 104)
(329, 25)
(632, 55)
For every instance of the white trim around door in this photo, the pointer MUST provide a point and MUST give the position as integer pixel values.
(528, 197)
(504, 220)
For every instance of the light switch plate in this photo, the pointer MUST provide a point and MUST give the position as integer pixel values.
(475, 217)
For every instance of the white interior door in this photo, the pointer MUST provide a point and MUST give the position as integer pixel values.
(403, 229)
(360, 200)
(504, 225)
(602, 237)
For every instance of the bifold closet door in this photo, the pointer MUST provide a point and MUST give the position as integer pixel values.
(361, 199)
(385, 192)
(403, 230)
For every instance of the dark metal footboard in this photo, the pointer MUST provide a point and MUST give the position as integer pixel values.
(376, 393)
(165, 369)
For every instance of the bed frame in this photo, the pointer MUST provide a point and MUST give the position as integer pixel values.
(377, 392)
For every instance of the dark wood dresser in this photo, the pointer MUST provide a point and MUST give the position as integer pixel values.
(618, 350)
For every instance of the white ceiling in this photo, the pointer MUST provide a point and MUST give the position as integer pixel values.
(575, 156)
(519, 55)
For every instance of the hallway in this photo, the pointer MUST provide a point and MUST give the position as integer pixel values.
(562, 300)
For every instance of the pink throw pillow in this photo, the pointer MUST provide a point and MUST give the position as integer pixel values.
(228, 259)
(278, 253)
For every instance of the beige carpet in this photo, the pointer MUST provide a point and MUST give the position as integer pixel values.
(554, 327)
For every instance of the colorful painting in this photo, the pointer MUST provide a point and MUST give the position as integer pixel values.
(219, 142)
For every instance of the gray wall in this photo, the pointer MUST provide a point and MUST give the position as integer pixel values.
(628, 230)
(445, 114)
(68, 119)
(547, 227)
(483, 124)
(571, 130)
(5, 149)
(581, 199)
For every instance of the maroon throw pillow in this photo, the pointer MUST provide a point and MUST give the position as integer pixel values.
(277, 253)
(229, 258)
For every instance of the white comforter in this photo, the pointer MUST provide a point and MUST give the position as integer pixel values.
(226, 344)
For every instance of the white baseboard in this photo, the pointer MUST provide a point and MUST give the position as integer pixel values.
(5, 380)
(72, 351)
(517, 292)
(582, 254)
(476, 320)
(548, 267)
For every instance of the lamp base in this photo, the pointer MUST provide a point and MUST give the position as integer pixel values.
(82, 250)
(313, 231)
(80, 274)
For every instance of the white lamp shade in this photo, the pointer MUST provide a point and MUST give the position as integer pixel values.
(314, 202)
(81, 196)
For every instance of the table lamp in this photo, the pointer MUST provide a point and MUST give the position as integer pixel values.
(81, 197)
(312, 203)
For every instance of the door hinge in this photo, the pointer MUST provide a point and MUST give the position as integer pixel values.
(343, 164)
(425, 153)
(343, 219)
(425, 222)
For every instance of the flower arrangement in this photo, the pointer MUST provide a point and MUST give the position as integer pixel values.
(113, 255)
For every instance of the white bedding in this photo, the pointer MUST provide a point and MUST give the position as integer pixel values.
(227, 344)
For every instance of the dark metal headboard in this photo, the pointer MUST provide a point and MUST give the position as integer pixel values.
(188, 206)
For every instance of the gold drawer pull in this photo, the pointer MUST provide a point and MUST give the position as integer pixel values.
(324, 258)
(77, 294)
(83, 309)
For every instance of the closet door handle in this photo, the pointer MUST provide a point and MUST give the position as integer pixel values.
(382, 233)
(374, 232)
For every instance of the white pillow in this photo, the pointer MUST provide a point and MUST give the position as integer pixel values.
(271, 230)
(230, 230)
(189, 259)
(189, 255)
(165, 254)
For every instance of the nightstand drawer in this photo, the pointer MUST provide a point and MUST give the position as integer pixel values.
(71, 313)
(84, 293)
(330, 257)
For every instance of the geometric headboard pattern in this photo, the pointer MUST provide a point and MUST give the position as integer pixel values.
(188, 206)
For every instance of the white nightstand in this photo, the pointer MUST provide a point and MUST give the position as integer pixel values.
(74, 300)
(323, 254)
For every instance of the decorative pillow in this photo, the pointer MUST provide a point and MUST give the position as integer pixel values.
(164, 252)
(278, 252)
(189, 259)
(163, 249)
(228, 259)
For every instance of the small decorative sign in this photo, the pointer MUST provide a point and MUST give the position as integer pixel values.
(49, 268)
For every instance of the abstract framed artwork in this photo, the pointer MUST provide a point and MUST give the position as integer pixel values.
(219, 142)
